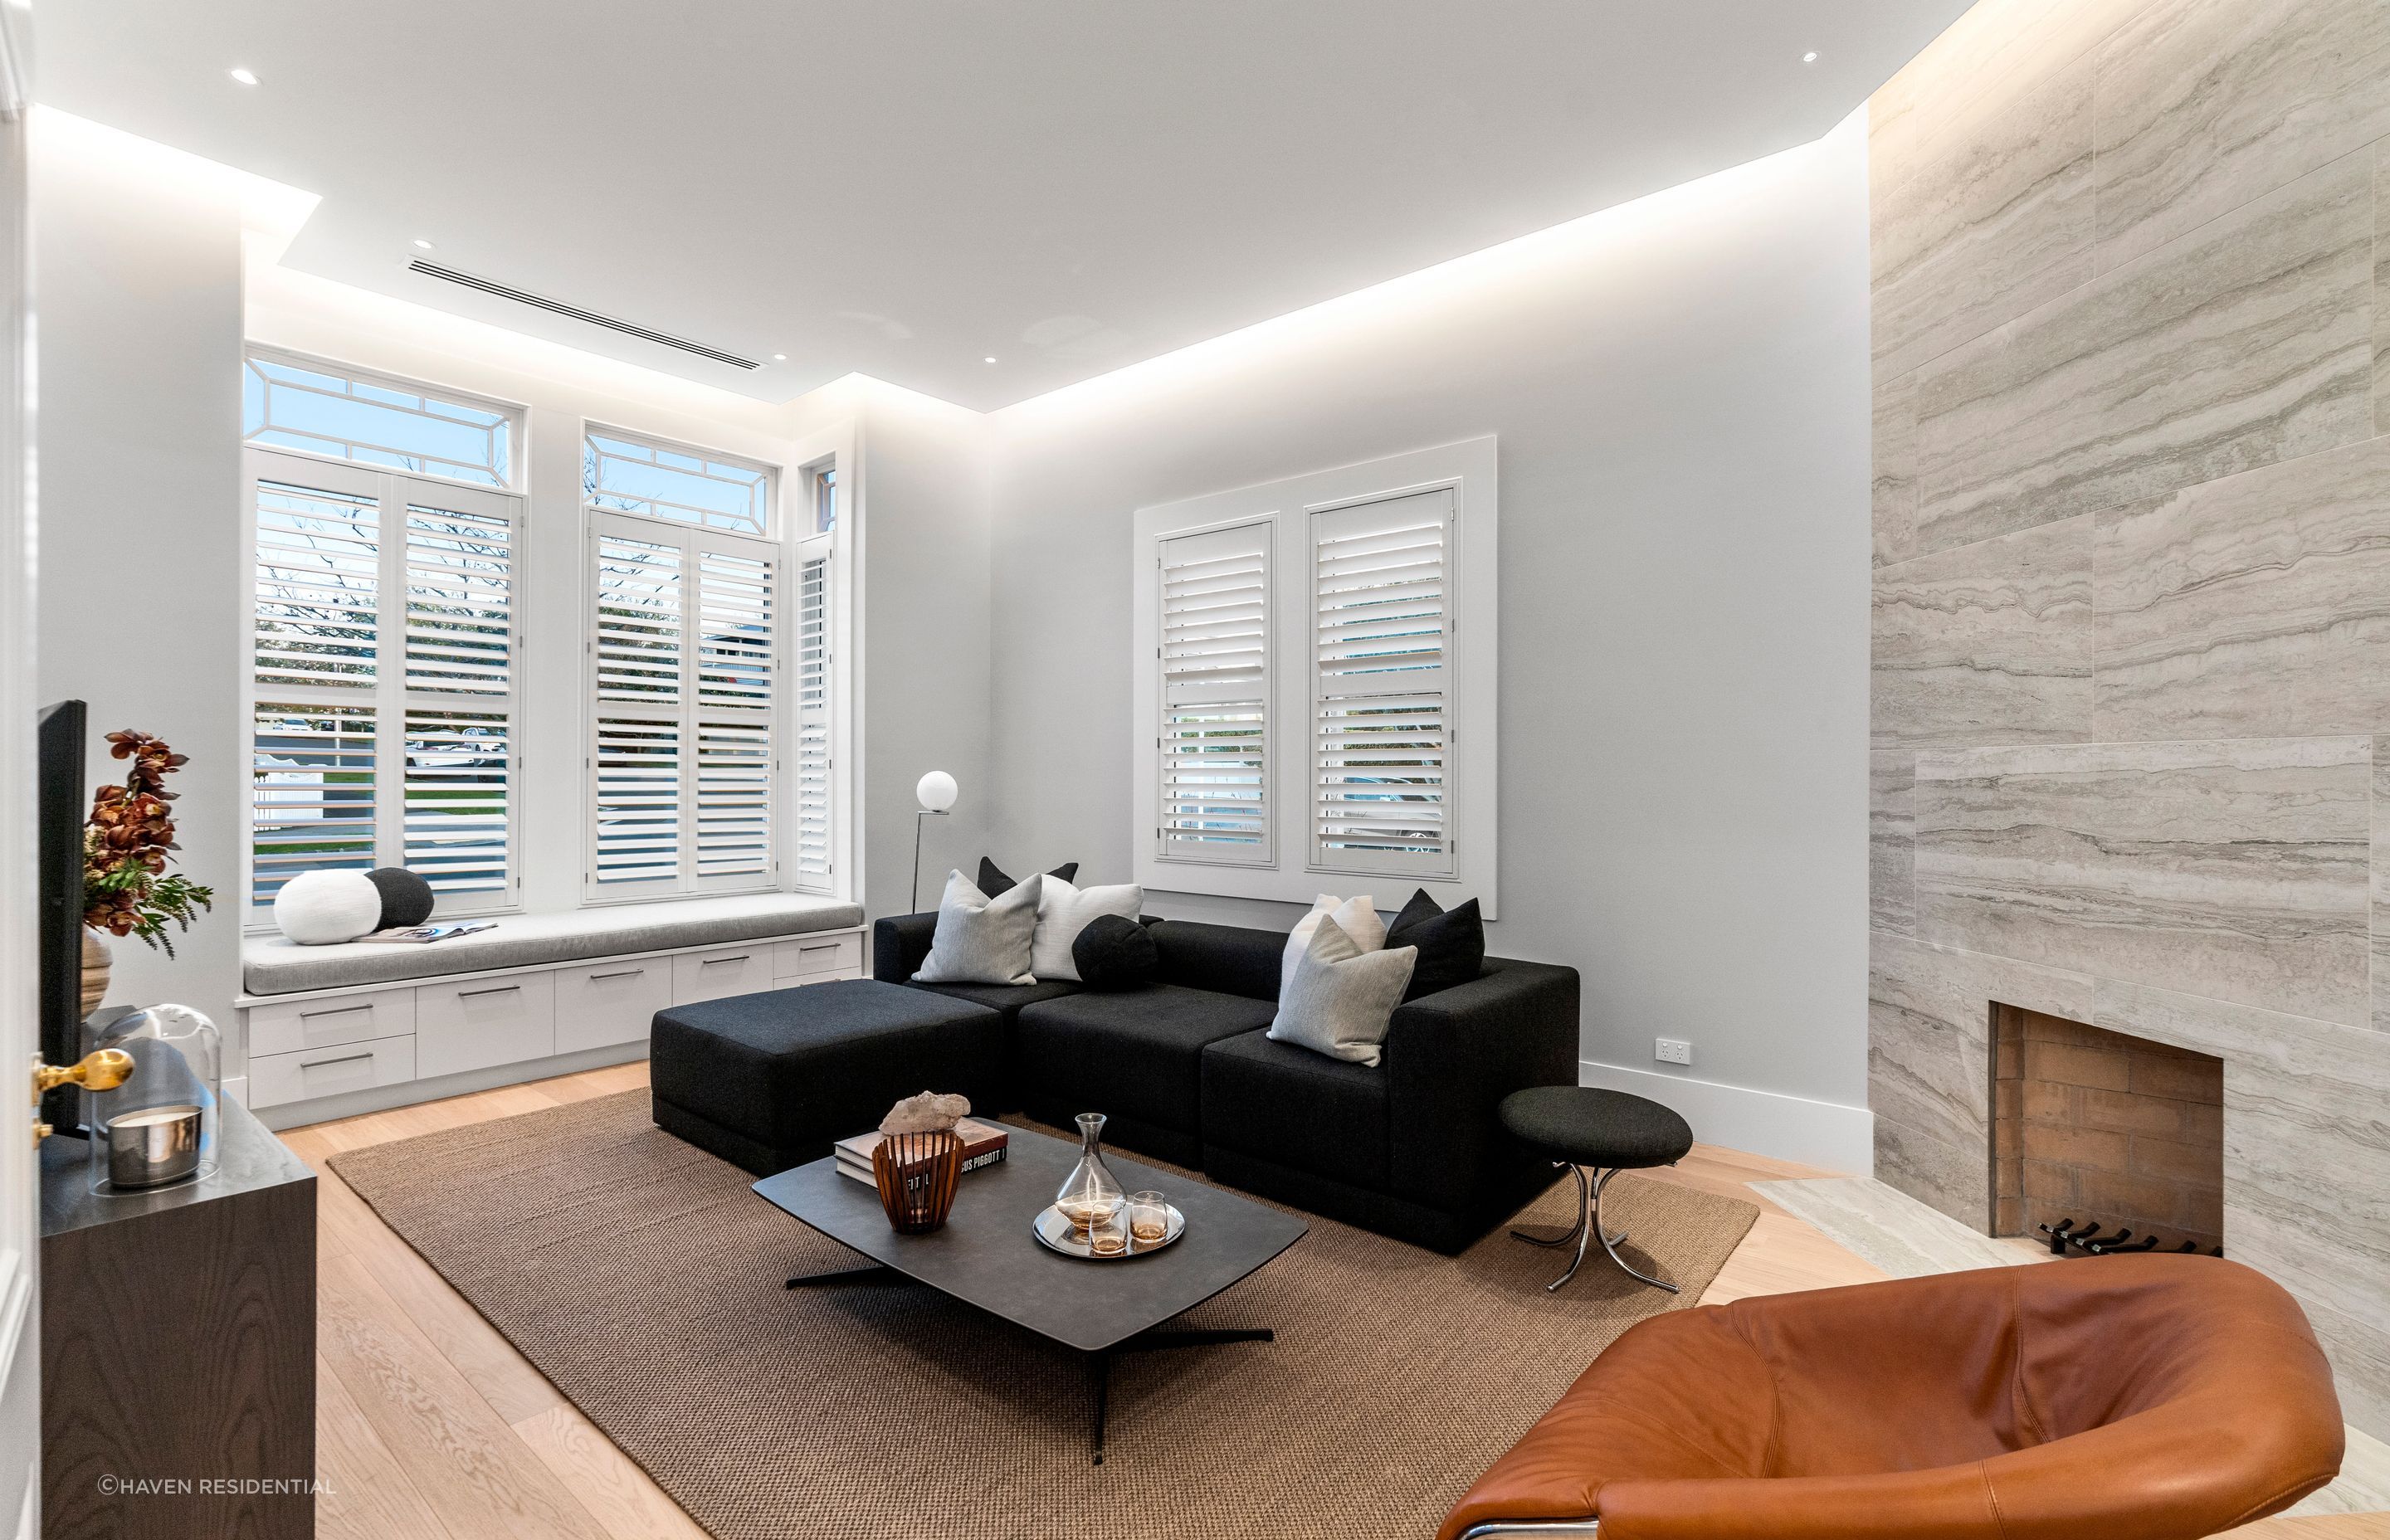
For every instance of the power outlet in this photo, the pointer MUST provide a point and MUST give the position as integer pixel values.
(1668, 1050)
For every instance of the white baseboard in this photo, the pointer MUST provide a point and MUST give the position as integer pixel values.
(1762, 1122)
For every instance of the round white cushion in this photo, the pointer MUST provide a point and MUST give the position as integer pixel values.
(318, 909)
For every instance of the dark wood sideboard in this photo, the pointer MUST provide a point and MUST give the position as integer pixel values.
(178, 1348)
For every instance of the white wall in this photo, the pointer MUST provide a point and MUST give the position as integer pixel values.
(1680, 390)
(137, 274)
(927, 662)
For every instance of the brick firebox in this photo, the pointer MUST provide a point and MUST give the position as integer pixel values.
(2098, 1126)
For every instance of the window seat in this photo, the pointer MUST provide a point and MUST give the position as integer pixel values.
(271, 965)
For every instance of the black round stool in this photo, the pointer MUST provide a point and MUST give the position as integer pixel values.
(1579, 1126)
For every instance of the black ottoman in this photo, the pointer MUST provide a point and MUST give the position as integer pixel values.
(770, 1081)
(1579, 1126)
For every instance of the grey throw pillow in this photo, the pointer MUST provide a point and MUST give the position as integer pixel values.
(981, 939)
(1341, 999)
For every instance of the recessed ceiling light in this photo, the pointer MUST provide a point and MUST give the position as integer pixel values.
(989, 359)
(246, 76)
(423, 245)
(1809, 58)
(780, 358)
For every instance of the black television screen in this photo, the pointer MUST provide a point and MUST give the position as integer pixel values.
(59, 806)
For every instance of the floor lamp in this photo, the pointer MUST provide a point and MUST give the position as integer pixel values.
(936, 794)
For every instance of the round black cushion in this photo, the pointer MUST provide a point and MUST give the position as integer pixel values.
(1114, 951)
(406, 898)
(1593, 1128)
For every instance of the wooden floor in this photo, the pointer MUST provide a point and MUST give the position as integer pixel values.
(432, 1427)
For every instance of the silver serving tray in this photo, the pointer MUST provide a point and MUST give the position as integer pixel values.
(1055, 1233)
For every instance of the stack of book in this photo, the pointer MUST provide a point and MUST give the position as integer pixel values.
(983, 1145)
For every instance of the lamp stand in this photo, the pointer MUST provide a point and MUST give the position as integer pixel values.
(924, 813)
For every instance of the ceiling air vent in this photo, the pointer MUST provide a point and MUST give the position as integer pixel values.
(503, 291)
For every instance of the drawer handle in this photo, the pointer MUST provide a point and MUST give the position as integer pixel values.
(742, 956)
(626, 973)
(494, 989)
(327, 1063)
(826, 946)
(334, 1010)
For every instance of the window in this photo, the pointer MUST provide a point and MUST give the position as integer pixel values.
(1306, 707)
(1213, 599)
(288, 403)
(627, 473)
(1379, 719)
(684, 631)
(382, 641)
(824, 480)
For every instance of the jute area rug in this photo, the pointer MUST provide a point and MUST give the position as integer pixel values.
(645, 1280)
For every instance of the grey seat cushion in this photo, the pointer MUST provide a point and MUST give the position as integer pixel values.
(272, 966)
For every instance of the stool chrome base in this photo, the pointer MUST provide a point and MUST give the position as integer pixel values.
(1588, 1226)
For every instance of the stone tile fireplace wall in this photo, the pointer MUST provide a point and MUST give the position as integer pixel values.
(2131, 665)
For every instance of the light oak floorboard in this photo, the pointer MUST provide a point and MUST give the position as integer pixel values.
(366, 1496)
(2337, 1526)
(609, 1484)
(470, 1468)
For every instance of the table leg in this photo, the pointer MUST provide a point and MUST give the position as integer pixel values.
(870, 1272)
(1156, 1342)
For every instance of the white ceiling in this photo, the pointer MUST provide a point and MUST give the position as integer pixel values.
(901, 188)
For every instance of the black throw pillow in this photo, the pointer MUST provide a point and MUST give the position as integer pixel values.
(1451, 943)
(992, 881)
(1114, 951)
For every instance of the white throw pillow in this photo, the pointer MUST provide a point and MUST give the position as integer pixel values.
(981, 939)
(1357, 917)
(1063, 911)
(1342, 999)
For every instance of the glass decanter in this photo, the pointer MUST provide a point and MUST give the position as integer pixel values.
(1091, 1192)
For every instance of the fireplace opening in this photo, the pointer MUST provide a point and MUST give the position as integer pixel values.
(2102, 1141)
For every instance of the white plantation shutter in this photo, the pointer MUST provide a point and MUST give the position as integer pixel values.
(383, 672)
(737, 673)
(685, 686)
(459, 602)
(1381, 686)
(312, 792)
(1215, 666)
(814, 835)
(318, 610)
(639, 626)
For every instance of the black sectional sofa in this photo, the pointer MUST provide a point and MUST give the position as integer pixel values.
(1184, 1071)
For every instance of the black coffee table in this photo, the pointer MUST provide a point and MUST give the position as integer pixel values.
(987, 1256)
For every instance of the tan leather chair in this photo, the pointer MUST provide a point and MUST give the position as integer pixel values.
(2108, 1398)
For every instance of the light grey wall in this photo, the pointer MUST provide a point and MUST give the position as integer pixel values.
(926, 656)
(137, 280)
(1680, 389)
(2132, 539)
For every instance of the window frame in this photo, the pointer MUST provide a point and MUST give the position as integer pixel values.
(518, 417)
(388, 696)
(776, 483)
(1299, 868)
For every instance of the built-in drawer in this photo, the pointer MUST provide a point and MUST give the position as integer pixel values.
(724, 971)
(275, 1078)
(477, 1022)
(839, 955)
(609, 1002)
(294, 1026)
